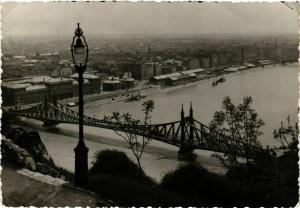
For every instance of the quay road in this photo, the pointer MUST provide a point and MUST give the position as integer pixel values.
(104, 97)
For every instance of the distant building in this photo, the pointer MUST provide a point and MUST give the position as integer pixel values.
(205, 62)
(111, 85)
(181, 79)
(193, 63)
(177, 77)
(62, 72)
(136, 71)
(146, 71)
(35, 89)
(171, 66)
(61, 87)
(92, 85)
(168, 69)
(214, 60)
(127, 83)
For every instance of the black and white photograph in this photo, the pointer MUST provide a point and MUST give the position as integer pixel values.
(161, 104)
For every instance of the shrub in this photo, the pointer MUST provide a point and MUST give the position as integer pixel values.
(130, 192)
(113, 162)
(205, 188)
(114, 176)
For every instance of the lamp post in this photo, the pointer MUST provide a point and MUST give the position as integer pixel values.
(80, 58)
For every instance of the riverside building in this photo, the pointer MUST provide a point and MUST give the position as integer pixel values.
(35, 89)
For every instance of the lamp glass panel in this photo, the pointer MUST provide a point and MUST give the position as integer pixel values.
(79, 50)
(79, 58)
(79, 46)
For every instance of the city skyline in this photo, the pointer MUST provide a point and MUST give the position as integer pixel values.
(138, 19)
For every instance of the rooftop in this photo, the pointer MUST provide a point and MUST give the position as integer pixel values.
(75, 82)
(127, 79)
(36, 87)
(183, 76)
(85, 76)
(193, 71)
(166, 76)
(15, 85)
(109, 81)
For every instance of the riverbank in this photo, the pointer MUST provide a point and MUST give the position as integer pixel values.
(121, 96)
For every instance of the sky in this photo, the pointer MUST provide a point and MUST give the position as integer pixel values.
(147, 18)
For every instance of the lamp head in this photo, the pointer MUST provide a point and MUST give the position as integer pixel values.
(79, 48)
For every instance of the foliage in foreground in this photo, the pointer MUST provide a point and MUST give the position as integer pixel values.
(239, 122)
(117, 163)
(202, 187)
(118, 178)
(273, 183)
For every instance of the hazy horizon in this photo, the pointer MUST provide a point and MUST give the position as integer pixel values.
(58, 19)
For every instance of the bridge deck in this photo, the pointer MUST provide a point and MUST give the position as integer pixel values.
(187, 132)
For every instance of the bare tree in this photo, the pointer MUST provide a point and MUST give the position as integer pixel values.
(132, 128)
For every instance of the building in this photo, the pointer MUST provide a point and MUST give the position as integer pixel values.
(168, 69)
(178, 77)
(181, 79)
(111, 85)
(205, 62)
(146, 71)
(91, 85)
(193, 63)
(35, 89)
(62, 71)
(61, 88)
(136, 71)
(171, 66)
(127, 83)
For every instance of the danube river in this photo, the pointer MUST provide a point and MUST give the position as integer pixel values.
(274, 90)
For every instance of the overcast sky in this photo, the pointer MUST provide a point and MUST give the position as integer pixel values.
(96, 18)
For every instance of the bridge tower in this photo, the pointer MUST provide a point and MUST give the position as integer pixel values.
(185, 151)
(50, 115)
(46, 110)
(191, 121)
(182, 120)
(54, 99)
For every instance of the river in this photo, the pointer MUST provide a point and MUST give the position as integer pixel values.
(274, 90)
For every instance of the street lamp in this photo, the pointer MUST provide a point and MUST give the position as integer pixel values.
(80, 53)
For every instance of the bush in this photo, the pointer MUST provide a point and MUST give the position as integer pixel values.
(115, 176)
(113, 162)
(205, 188)
(129, 192)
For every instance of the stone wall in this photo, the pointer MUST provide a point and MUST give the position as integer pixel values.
(26, 149)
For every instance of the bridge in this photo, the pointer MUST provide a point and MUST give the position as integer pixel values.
(187, 133)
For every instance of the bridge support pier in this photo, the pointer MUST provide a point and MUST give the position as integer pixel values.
(48, 123)
(186, 154)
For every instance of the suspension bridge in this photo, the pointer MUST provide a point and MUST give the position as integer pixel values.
(187, 133)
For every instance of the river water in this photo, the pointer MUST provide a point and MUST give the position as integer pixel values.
(274, 90)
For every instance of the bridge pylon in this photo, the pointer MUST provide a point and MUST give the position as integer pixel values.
(48, 121)
(191, 122)
(187, 134)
